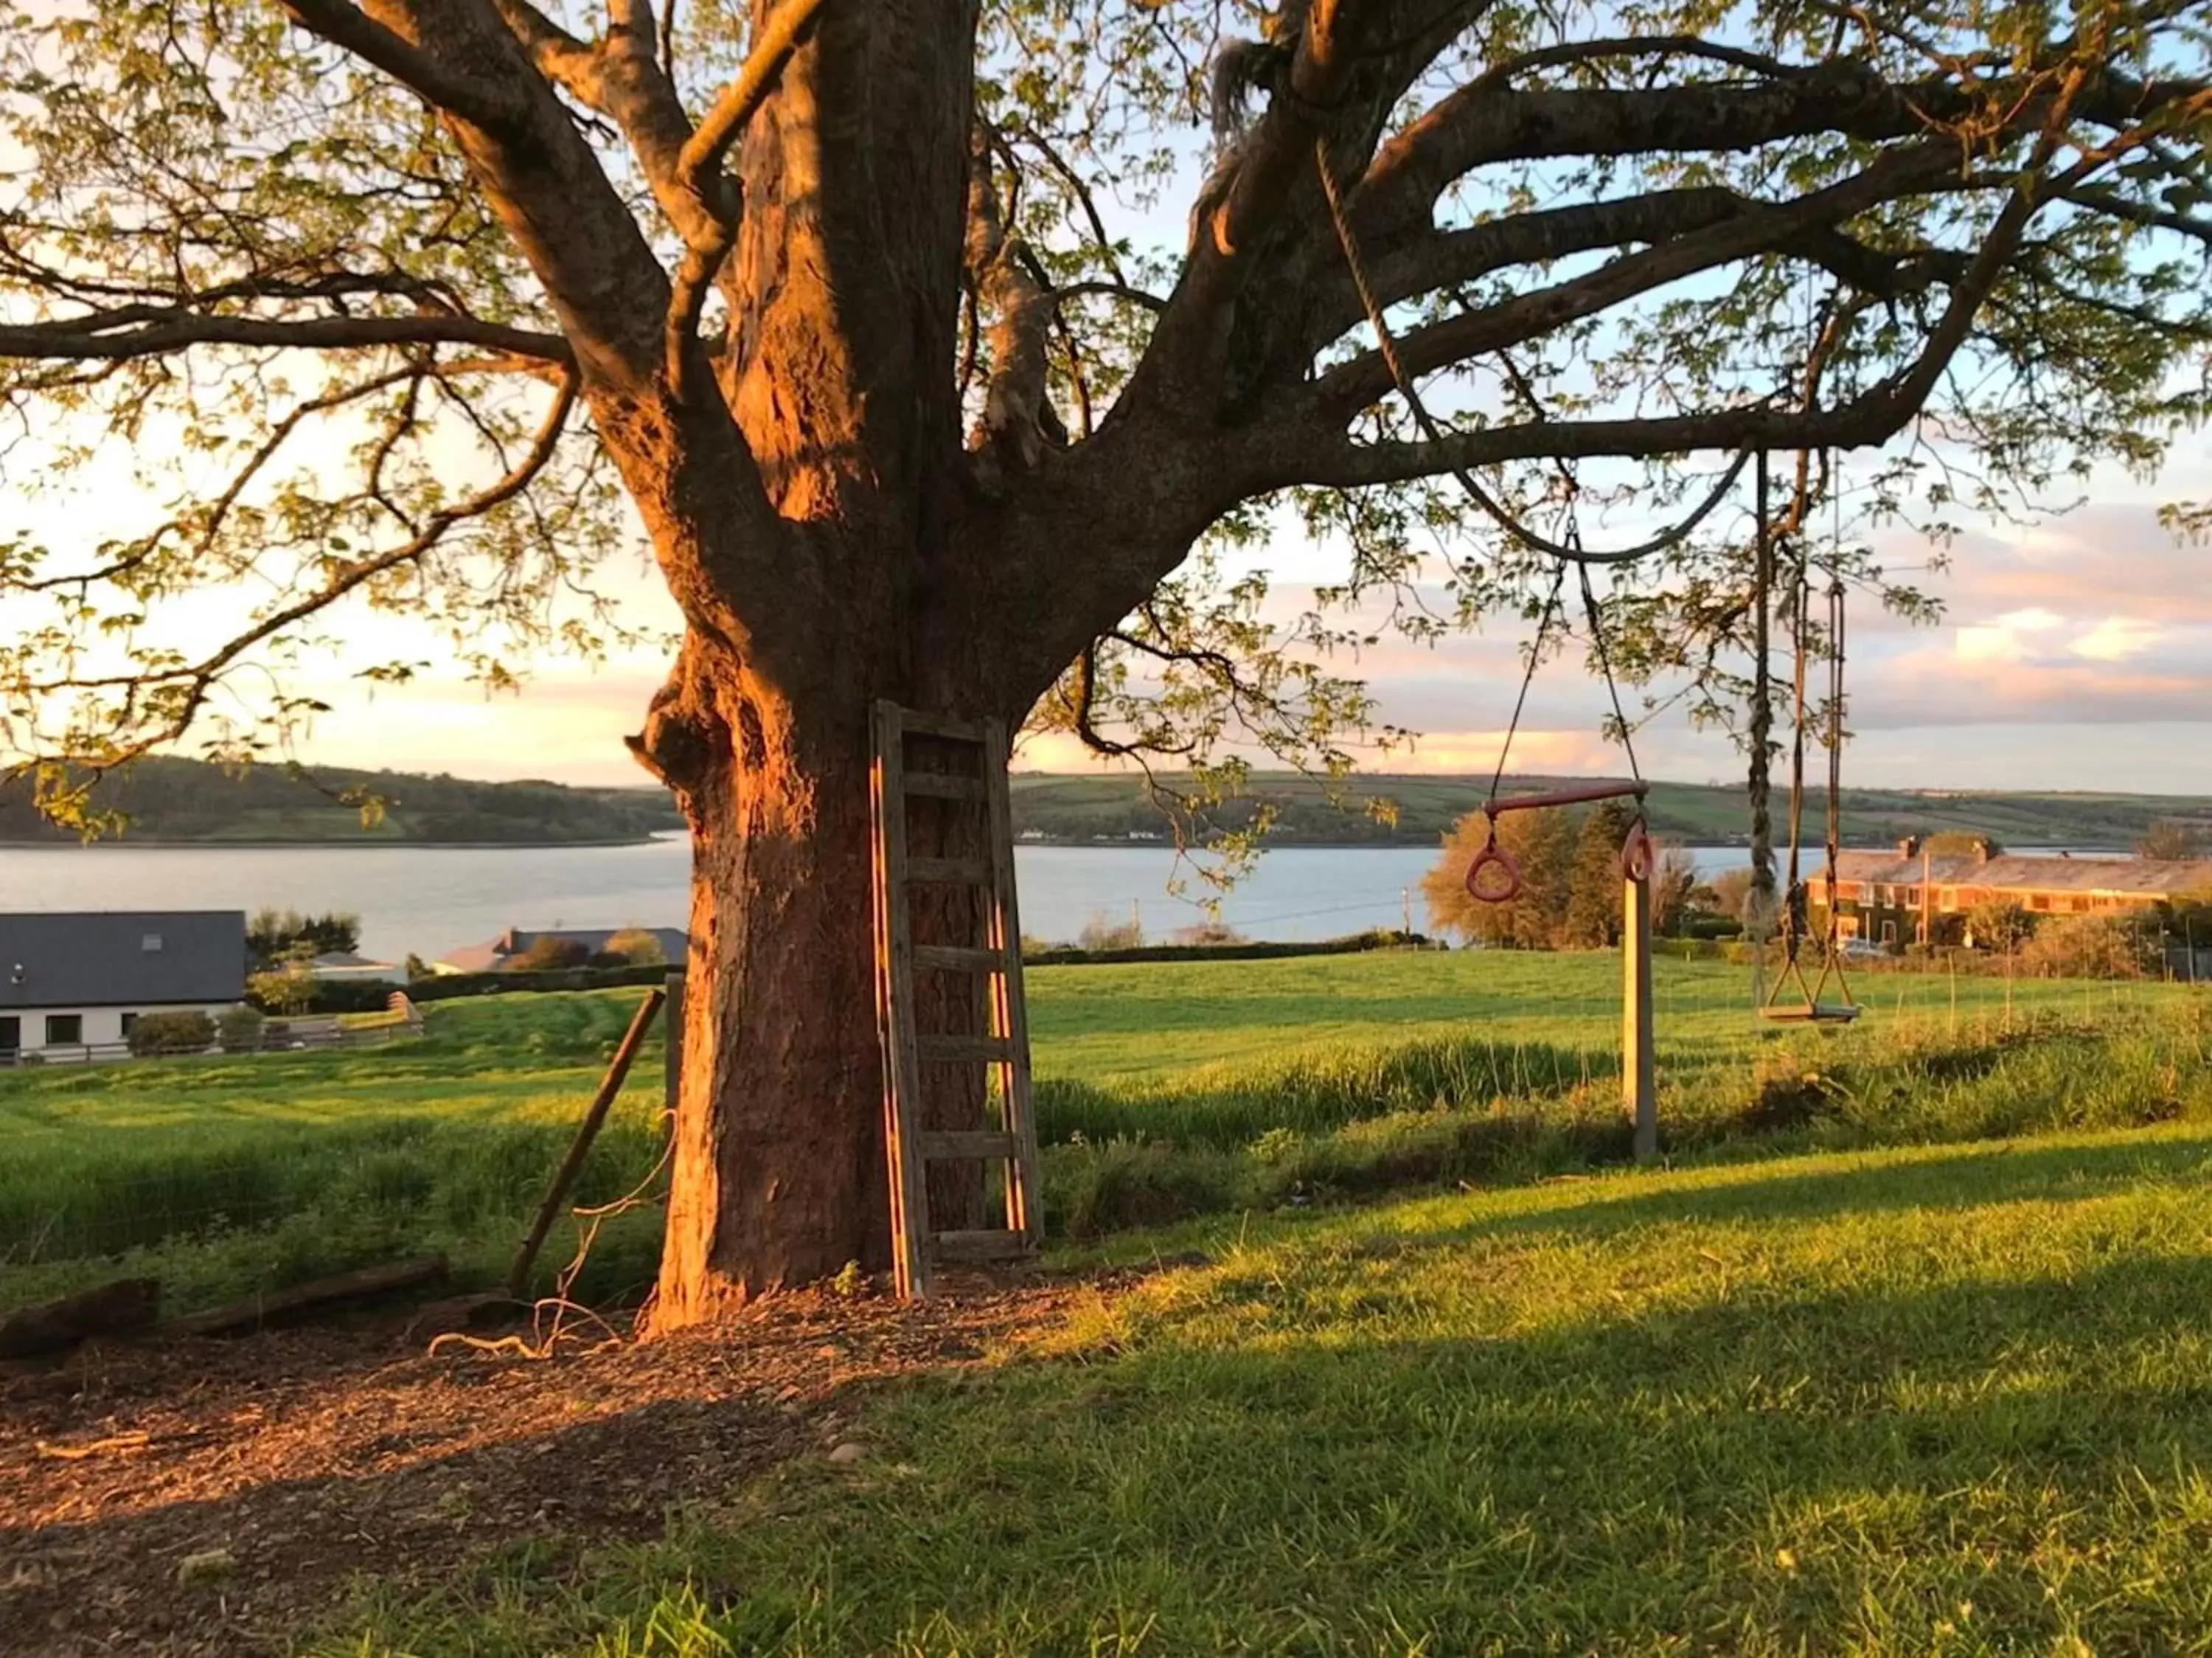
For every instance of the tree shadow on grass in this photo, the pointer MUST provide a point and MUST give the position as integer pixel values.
(1989, 1171)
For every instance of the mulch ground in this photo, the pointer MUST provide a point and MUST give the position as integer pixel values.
(210, 1497)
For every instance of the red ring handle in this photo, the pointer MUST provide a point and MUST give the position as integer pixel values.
(1637, 857)
(1493, 857)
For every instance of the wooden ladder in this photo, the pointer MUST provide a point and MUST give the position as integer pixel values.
(917, 1248)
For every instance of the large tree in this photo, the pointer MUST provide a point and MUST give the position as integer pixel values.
(419, 304)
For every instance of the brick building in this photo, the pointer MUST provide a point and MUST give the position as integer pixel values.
(1903, 895)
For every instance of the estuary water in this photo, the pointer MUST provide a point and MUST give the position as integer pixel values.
(431, 899)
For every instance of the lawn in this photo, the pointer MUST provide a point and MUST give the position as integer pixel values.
(1923, 1400)
(1164, 1090)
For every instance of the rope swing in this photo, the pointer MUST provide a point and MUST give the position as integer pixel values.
(1794, 999)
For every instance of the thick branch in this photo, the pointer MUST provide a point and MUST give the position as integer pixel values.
(1356, 384)
(1479, 125)
(344, 25)
(778, 39)
(148, 331)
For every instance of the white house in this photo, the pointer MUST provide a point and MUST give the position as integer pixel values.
(73, 984)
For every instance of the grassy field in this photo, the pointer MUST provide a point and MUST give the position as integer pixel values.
(1916, 1401)
(1165, 1090)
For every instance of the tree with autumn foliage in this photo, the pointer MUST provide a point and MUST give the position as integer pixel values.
(846, 309)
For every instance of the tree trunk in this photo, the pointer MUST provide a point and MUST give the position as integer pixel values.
(778, 1175)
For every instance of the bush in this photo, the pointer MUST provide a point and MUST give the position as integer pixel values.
(634, 947)
(171, 1033)
(2090, 947)
(547, 953)
(1102, 932)
(239, 1030)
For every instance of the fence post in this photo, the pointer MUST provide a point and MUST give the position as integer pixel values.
(1638, 1081)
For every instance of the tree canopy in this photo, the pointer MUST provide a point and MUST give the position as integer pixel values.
(356, 288)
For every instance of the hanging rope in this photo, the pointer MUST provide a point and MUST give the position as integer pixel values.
(1762, 713)
(1528, 679)
(1434, 431)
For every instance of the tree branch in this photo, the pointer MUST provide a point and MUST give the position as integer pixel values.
(152, 331)
(1365, 379)
(778, 39)
(346, 26)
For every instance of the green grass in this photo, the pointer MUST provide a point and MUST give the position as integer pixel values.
(1916, 1401)
(1165, 1090)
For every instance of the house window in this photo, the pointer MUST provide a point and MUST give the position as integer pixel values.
(2039, 900)
(64, 1029)
(151, 943)
(11, 1035)
(129, 1019)
(1889, 932)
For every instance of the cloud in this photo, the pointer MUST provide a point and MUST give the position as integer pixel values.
(2116, 639)
(2004, 640)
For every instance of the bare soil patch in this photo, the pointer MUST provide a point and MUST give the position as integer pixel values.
(211, 1496)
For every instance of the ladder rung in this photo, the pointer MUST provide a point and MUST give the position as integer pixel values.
(974, 872)
(949, 1048)
(970, 1143)
(940, 785)
(958, 959)
(934, 725)
(994, 1246)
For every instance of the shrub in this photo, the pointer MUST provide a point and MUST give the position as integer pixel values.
(1103, 933)
(634, 947)
(1999, 925)
(289, 989)
(171, 1033)
(2089, 946)
(240, 1029)
(547, 953)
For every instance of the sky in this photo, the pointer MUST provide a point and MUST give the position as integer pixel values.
(2075, 652)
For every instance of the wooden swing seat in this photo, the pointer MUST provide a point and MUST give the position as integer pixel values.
(1813, 1013)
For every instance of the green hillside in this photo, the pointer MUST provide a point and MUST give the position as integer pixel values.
(169, 799)
(166, 799)
(1116, 809)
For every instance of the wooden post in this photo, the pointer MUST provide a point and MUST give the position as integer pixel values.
(1638, 1078)
(672, 1027)
(588, 1130)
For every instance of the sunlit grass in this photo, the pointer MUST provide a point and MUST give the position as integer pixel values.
(1906, 1402)
(1164, 1090)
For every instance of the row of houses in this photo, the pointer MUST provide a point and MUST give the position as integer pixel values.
(78, 982)
(1909, 894)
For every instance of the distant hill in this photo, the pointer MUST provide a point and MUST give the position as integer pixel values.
(170, 799)
(1090, 810)
(182, 800)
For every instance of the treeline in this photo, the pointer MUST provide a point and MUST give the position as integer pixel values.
(162, 798)
(1410, 810)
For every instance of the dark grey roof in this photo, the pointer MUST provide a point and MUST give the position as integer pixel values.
(675, 944)
(110, 958)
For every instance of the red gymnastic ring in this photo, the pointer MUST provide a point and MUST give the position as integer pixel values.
(1493, 857)
(1637, 856)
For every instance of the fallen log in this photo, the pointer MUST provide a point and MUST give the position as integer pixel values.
(112, 1309)
(304, 1301)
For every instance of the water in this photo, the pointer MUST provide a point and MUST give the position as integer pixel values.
(430, 899)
